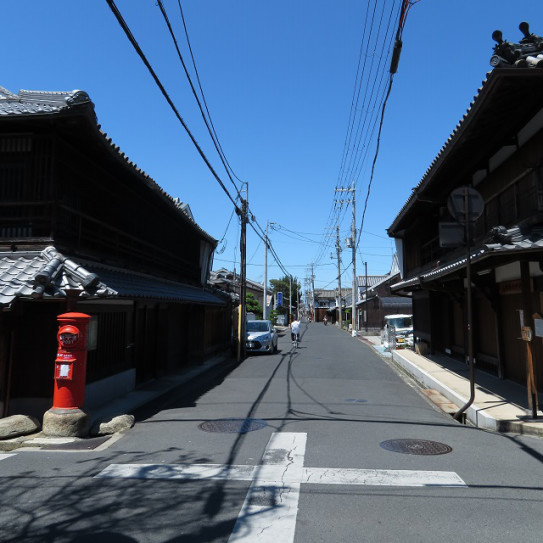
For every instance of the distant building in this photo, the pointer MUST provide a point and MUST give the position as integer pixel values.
(229, 281)
(378, 300)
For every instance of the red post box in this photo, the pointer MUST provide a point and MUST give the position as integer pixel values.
(71, 361)
(66, 418)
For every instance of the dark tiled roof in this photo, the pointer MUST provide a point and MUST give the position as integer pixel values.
(225, 278)
(372, 280)
(134, 285)
(331, 293)
(48, 274)
(398, 301)
(39, 102)
(501, 241)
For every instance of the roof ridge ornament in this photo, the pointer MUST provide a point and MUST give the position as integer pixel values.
(77, 97)
(528, 53)
(5, 94)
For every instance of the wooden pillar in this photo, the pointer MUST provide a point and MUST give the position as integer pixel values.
(497, 306)
(528, 327)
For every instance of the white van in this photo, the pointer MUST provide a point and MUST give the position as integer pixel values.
(397, 332)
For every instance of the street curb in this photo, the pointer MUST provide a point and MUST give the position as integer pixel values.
(475, 414)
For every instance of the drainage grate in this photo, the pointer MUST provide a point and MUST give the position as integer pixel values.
(416, 446)
(233, 426)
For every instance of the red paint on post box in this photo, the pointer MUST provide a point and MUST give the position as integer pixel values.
(71, 361)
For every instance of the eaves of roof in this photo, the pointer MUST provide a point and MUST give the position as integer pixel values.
(50, 275)
(503, 111)
(511, 244)
(371, 280)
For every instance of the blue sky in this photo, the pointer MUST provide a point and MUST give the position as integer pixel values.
(278, 78)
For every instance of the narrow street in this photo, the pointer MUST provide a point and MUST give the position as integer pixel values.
(314, 458)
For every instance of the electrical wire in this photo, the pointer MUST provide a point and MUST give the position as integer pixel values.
(155, 77)
(205, 117)
(368, 91)
(202, 91)
(406, 6)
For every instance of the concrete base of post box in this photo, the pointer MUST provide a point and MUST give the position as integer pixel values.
(65, 423)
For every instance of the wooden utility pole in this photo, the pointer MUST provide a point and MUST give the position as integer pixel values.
(351, 242)
(243, 284)
(354, 319)
(266, 272)
(366, 296)
(338, 253)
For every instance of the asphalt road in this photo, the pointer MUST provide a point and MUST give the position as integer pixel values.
(312, 466)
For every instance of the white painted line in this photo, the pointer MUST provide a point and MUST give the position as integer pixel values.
(276, 475)
(179, 471)
(269, 511)
(268, 514)
(381, 477)
(3, 456)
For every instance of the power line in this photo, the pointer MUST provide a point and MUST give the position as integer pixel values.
(406, 6)
(202, 91)
(368, 90)
(138, 49)
(211, 131)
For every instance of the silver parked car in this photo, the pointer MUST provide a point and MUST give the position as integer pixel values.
(261, 337)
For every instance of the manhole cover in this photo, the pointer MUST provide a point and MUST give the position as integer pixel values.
(233, 426)
(416, 446)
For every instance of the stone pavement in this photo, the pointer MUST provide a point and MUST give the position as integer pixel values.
(499, 405)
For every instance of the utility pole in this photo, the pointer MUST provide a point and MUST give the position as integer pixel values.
(290, 299)
(266, 272)
(313, 290)
(366, 296)
(242, 325)
(351, 242)
(338, 252)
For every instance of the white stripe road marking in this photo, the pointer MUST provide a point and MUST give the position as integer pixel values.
(269, 511)
(4, 456)
(382, 477)
(276, 475)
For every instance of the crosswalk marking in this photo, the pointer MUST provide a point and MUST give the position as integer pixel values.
(269, 511)
(276, 474)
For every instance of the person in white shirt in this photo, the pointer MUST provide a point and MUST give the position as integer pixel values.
(295, 329)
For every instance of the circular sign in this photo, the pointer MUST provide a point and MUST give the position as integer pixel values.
(465, 203)
(68, 336)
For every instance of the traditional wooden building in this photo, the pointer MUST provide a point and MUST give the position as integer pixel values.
(377, 299)
(497, 149)
(229, 281)
(326, 303)
(82, 228)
